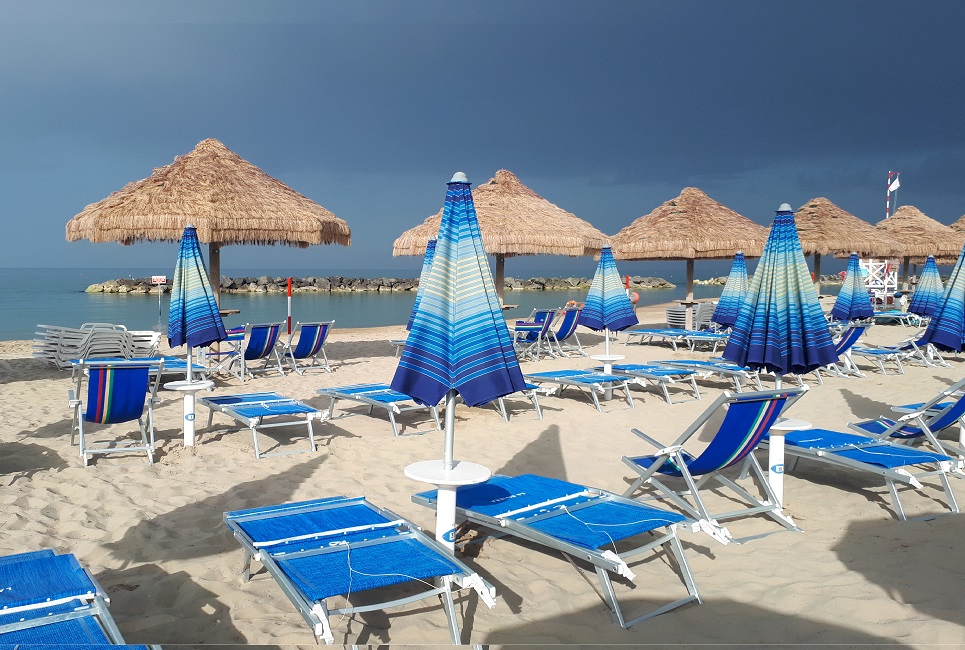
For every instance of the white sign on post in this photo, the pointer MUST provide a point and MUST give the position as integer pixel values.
(159, 279)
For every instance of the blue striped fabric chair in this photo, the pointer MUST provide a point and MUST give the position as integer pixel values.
(565, 331)
(311, 343)
(532, 337)
(259, 342)
(747, 419)
(116, 392)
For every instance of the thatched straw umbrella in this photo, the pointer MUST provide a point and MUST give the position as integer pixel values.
(513, 220)
(824, 228)
(920, 236)
(228, 199)
(690, 227)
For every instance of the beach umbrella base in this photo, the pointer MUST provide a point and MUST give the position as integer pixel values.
(446, 481)
(188, 390)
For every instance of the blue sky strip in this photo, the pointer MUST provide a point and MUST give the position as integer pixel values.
(426, 263)
(853, 302)
(929, 290)
(607, 305)
(729, 303)
(946, 329)
(781, 327)
(458, 339)
(193, 318)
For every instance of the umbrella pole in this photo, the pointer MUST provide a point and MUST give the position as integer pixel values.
(500, 279)
(450, 428)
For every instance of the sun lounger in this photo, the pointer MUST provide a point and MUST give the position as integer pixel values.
(592, 382)
(531, 393)
(648, 334)
(379, 396)
(705, 368)
(896, 316)
(708, 338)
(581, 522)
(48, 599)
(326, 548)
(656, 375)
(253, 409)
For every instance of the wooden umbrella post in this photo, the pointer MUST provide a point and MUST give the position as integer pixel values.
(500, 278)
(817, 274)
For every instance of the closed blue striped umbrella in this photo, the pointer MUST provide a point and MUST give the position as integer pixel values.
(781, 327)
(946, 329)
(607, 305)
(853, 302)
(194, 318)
(929, 291)
(729, 303)
(426, 263)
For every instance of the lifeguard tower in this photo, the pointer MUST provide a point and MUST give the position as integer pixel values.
(881, 279)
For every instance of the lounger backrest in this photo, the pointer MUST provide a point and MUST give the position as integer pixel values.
(848, 339)
(950, 414)
(748, 419)
(261, 340)
(115, 392)
(568, 323)
(312, 337)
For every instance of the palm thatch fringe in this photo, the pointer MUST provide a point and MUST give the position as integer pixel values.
(919, 235)
(824, 228)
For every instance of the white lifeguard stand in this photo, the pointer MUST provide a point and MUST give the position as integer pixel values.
(881, 278)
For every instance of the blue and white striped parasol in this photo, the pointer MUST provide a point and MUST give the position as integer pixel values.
(781, 327)
(426, 264)
(929, 291)
(853, 302)
(607, 305)
(729, 303)
(946, 329)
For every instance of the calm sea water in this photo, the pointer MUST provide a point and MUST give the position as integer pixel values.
(29, 297)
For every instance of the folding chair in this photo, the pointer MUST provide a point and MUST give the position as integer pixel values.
(582, 523)
(843, 346)
(311, 343)
(532, 337)
(253, 409)
(565, 331)
(326, 548)
(259, 342)
(746, 420)
(117, 392)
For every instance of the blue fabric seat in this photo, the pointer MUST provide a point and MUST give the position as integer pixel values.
(311, 338)
(253, 410)
(380, 396)
(657, 375)
(592, 382)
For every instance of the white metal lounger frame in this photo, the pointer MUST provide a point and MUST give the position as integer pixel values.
(256, 423)
(316, 613)
(641, 377)
(603, 561)
(529, 393)
(646, 336)
(591, 386)
(391, 408)
(705, 371)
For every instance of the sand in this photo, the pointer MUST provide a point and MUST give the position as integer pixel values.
(154, 537)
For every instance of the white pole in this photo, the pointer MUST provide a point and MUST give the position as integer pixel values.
(450, 431)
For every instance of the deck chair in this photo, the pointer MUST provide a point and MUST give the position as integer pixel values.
(747, 417)
(338, 547)
(656, 375)
(842, 347)
(589, 381)
(581, 522)
(116, 392)
(259, 342)
(565, 331)
(532, 337)
(259, 411)
(49, 599)
(311, 343)
(380, 396)
(724, 369)
(896, 463)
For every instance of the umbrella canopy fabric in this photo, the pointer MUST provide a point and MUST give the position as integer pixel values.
(929, 291)
(426, 264)
(607, 305)
(459, 339)
(193, 318)
(729, 303)
(853, 302)
(781, 327)
(946, 329)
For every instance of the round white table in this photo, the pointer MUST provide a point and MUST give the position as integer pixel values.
(446, 482)
(188, 389)
(775, 452)
(607, 360)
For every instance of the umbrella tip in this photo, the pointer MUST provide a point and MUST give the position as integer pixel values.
(785, 207)
(459, 177)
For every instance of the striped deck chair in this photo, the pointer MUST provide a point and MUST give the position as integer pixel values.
(51, 600)
(259, 342)
(339, 547)
(842, 346)
(565, 331)
(116, 392)
(311, 343)
(747, 419)
(532, 337)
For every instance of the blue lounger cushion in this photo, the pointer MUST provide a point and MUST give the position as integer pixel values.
(861, 448)
(651, 369)
(42, 577)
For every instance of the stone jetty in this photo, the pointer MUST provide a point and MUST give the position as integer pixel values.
(339, 284)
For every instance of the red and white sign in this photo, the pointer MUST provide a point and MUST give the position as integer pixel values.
(159, 279)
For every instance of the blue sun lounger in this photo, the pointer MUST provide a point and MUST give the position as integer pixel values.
(586, 380)
(706, 368)
(581, 522)
(381, 396)
(648, 334)
(321, 549)
(657, 375)
(49, 599)
(252, 409)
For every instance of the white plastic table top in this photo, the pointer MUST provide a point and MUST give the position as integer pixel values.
(434, 472)
(607, 357)
(790, 424)
(189, 386)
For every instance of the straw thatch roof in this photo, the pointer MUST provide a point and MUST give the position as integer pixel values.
(824, 228)
(919, 235)
(513, 220)
(691, 226)
(959, 225)
(228, 199)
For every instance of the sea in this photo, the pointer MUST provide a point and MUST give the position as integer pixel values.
(56, 296)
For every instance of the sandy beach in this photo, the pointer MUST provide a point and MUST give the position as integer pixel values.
(154, 537)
